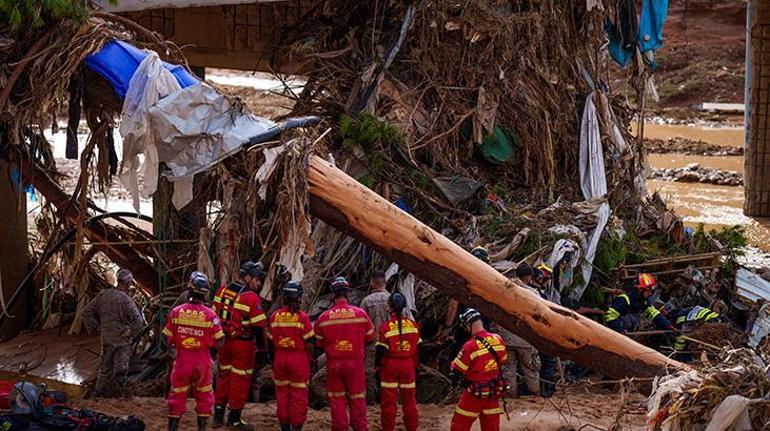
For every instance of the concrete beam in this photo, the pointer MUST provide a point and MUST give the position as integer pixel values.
(140, 5)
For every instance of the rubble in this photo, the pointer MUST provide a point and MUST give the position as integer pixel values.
(696, 173)
(729, 394)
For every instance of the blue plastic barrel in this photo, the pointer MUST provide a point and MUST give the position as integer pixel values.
(118, 60)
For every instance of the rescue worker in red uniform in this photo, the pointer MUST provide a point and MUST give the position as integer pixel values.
(343, 331)
(240, 309)
(291, 339)
(396, 362)
(192, 329)
(478, 364)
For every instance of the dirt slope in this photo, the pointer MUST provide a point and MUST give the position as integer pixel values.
(702, 57)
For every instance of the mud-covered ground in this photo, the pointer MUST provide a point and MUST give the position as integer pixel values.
(589, 410)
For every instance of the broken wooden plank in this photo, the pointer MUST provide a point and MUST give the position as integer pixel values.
(345, 204)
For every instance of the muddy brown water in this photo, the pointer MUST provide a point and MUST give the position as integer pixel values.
(727, 136)
(674, 160)
(715, 206)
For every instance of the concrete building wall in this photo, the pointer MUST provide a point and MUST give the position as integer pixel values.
(235, 36)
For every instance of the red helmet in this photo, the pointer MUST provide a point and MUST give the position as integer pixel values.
(645, 281)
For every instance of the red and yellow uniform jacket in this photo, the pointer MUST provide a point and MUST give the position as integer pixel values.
(403, 346)
(240, 310)
(288, 330)
(476, 362)
(343, 331)
(192, 327)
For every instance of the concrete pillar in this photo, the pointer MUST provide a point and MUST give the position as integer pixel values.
(757, 162)
(14, 259)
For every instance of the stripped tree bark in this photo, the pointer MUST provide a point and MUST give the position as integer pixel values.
(345, 204)
(122, 254)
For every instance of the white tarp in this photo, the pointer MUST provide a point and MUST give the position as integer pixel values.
(188, 129)
(406, 287)
(198, 127)
(593, 183)
(150, 83)
(561, 248)
(731, 414)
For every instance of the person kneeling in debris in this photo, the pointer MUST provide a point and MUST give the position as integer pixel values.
(635, 300)
(343, 331)
(118, 319)
(477, 367)
(397, 361)
(687, 320)
(291, 339)
(192, 329)
(240, 309)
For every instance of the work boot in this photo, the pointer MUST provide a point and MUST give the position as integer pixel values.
(235, 422)
(285, 427)
(203, 423)
(219, 416)
(173, 424)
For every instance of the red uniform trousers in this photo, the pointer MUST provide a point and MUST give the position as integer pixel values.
(192, 370)
(398, 375)
(236, 366)
(291, 373)
(346, 382)
(471, 407)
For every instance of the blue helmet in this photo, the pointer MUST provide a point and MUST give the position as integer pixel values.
(253, 269)
(199, 284)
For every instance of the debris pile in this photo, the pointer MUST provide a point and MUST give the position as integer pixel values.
(731, 394)
(490, 124)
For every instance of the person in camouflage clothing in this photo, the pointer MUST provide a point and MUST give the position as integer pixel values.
(376, 306)
(118, 319)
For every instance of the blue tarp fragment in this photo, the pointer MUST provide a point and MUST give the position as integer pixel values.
(649, 34)
(118, 60)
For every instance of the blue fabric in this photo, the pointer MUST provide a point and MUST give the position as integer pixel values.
(621, 55)
(649, 34)
(403, 203)
(651, 24)
(117, 61)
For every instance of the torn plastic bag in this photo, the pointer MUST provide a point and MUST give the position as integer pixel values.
(458, 189)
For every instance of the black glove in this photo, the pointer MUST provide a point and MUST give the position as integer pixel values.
(457, 378)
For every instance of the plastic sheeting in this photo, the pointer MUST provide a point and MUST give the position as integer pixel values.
(458, 189)
(593, 183)
(406, 287)
(564, 274)
(150, 83)
(751, 286)
(196, 128)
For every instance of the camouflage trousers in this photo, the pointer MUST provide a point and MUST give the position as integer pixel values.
(113, 369)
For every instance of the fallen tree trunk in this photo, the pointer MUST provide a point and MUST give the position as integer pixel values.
(122, 254)
(345, 204)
